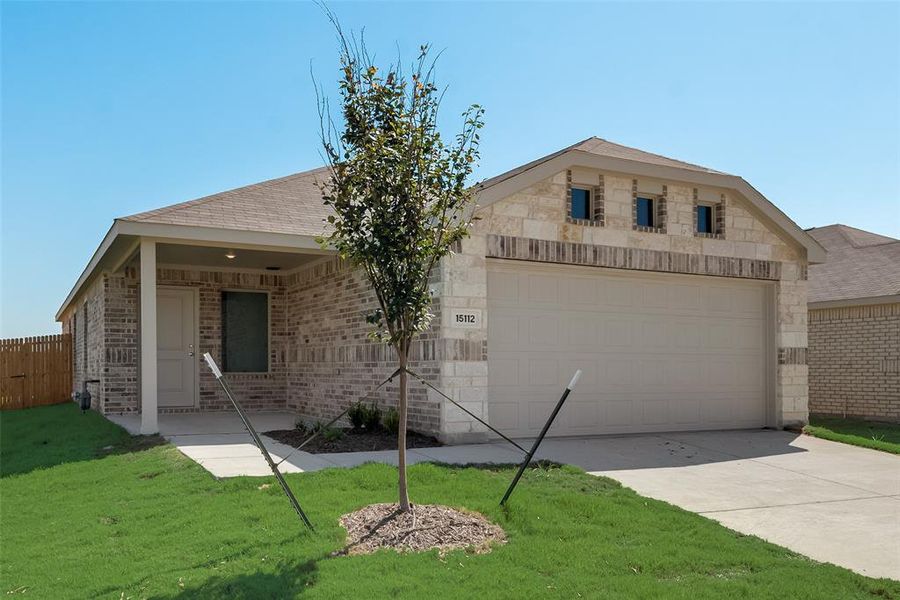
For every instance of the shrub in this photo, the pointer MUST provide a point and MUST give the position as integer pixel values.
(300, 425)
(332, 434)
(373, 418)
(392, 420)
(358, 415)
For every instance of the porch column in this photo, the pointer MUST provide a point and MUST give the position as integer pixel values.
(148, 338)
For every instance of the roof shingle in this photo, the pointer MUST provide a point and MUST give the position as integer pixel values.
(291, 205)
(860, 265)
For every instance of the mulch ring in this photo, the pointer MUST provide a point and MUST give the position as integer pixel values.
(425, 527)
(352, 440)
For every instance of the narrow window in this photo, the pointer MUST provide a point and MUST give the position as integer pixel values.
(245, 332)
(704, 218)
(645, 213)
(581, 203)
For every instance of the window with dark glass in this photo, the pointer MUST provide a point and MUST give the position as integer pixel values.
(581, 203)
(645, 214)
(704, 219)
(245, 332)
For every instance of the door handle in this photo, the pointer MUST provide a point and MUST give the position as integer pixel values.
(191, 350)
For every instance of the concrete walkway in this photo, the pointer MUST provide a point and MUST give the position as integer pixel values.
(832, 502)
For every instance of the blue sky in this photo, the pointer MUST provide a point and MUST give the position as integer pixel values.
(114, 108)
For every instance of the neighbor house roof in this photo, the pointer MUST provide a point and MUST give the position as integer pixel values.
(862, 266)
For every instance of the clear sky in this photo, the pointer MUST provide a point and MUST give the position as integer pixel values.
(113, 108)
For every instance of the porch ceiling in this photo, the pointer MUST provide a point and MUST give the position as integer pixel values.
(209, 256)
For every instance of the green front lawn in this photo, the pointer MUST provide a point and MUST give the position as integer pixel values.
(86, 513)
(868, 434)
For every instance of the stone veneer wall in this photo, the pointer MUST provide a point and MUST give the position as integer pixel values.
(743, 247)
(332, 361)
(854, 361)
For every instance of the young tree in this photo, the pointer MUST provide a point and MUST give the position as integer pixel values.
(399, 194)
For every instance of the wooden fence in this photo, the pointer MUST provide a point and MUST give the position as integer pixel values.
(35, 371)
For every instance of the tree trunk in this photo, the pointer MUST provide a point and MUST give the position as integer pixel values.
(401, 433)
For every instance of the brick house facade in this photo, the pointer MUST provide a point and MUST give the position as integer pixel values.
(854, 326)
(320, 357)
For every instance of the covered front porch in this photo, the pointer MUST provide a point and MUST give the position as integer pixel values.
(235, 302)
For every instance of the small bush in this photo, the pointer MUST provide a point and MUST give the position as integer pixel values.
(316, 427)
(392, 420)
(332, 434)
(358, 415)
(372, 419)
(300, 425)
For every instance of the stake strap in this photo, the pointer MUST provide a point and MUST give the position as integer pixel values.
(465, 410)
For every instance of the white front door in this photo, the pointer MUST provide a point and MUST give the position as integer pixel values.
(175, 351)
(658, 352)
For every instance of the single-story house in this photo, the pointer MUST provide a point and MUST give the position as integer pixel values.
(680, 291)
(854, 325)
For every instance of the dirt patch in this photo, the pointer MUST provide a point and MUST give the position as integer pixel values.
(351, 440)
(425, 527)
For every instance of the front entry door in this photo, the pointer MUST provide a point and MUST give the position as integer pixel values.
(175, 352)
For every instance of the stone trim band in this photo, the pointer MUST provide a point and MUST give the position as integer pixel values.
(616, 257)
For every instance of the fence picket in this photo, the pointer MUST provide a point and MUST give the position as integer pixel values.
(35, 371)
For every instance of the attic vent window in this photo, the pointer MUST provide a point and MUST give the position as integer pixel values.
(705, 219)
(581, 203)
(646, 214)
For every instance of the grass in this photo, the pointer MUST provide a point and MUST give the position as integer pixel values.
(868, 434)
(89, 513)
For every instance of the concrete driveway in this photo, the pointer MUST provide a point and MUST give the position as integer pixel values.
(832, 502)
(829, 501)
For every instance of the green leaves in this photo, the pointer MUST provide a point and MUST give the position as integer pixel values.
(398, 191)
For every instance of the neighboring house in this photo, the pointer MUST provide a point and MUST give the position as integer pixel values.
(679, 291)
(854, 325)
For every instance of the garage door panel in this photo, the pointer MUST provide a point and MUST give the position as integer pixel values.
(582, 416)
(503, 330)
(582, 331)
(504, 415)
(581, 291)
(543, 330)
(619, 293)
(543, 370)
(686, 412)
(542, 289)
(658, 353)
(618, 413)
(618, 332)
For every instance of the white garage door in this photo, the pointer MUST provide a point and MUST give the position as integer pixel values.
(658, 352)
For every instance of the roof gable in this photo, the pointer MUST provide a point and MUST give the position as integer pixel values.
(596, 153)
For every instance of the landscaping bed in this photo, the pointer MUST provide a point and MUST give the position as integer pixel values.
(350, 440)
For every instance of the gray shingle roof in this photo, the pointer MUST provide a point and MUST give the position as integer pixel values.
(291, 204)
(860, 265)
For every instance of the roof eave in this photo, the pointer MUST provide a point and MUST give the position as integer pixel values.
(187, 234)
